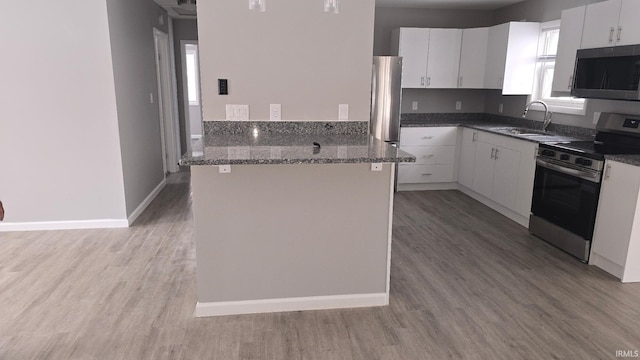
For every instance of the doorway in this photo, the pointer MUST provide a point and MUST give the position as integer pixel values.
(192, 98)
(168, 126)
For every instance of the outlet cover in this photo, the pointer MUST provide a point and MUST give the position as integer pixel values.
(500, 108)
(414, 105)
(343, 112)
(275, 112)
(458, 105)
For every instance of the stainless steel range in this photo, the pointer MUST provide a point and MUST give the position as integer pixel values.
(567, 183)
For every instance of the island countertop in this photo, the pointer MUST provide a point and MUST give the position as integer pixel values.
(257, 145)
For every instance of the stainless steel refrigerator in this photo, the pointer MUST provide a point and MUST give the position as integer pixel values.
(386, 98)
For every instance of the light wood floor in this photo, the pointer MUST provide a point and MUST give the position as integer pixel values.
(466, 283)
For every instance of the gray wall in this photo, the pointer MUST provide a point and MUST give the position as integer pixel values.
(387, 19)
(293, 54)
(131, 26)
(443, 100)
(546, 10)
(183, 29)
(331, 241)
(58, 131)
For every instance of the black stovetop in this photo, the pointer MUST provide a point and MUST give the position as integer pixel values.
(604, 144)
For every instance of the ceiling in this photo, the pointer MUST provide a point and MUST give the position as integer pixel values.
(448, 4)
(176, 11)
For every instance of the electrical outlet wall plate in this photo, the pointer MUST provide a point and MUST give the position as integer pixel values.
(224, 169)
(376, 167)
(275, 112)
(343, 112)
(237, 112)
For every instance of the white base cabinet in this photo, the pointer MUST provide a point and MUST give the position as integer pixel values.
(499, 171)
(616, 238)
(435, 152)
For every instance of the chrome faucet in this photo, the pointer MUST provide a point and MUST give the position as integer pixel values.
(547, 114)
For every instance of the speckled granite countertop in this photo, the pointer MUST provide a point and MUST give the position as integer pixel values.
(490, 123)
(253, 143)
(625, 159)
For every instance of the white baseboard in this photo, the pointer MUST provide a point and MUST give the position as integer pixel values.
(290, 304)
(428, 186)
(143, 205)
(64, 225)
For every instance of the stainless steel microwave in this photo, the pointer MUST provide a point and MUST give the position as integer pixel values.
(608, 73)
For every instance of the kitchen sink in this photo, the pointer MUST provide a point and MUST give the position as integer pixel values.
(526, 132)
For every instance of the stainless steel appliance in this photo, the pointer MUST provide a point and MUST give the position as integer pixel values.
(567, 183)
(608, 73)
(386, 98)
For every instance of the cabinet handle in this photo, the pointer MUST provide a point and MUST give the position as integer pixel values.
(427, 156)
(427, 174)
(493, 151)
(475, 137)
(428, 80)
(496, 155)
(619, 32)
(570, 82)
(422, 81)
(607, 171)
(427, 137)
(611, 31)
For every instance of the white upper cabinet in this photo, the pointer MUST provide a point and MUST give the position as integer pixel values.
(431, 57)
(611, 23)
(511, 57)
(571, 26)
(413, 45)
(601, 23)
(628, 25)
(496, 56)
(444, 58)
(473, 58)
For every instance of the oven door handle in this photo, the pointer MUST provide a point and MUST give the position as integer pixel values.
(586, 175)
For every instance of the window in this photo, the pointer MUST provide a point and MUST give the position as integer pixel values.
(192, 74)
(547, 48)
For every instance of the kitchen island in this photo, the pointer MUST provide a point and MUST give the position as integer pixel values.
(291, 216)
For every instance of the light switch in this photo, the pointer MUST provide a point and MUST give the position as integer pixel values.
(237, 112)
(343, 112)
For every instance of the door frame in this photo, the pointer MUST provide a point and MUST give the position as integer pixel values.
(169, 135)
(185, 90)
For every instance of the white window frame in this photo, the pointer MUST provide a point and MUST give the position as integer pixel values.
(543, 63)
(196, 92)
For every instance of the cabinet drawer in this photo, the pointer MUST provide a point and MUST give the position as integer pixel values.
(416, 174)
(432, 154)
(428, 136)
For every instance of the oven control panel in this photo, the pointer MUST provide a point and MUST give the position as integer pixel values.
(572, 160)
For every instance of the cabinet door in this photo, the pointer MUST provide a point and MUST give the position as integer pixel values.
(467, 157)
(524, 193)
(628, 25)
(496, 56)
(616, 211)
(520, 63)
(601, 24)
(570, 39)
(483, 169)
(473, 58)
(414, 49)
(443, 62)
(505, 178)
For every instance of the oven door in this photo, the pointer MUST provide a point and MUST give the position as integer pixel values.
(566, 196)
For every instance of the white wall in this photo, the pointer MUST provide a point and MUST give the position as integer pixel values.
(293, 54)
(131, 26)
(60, 159)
